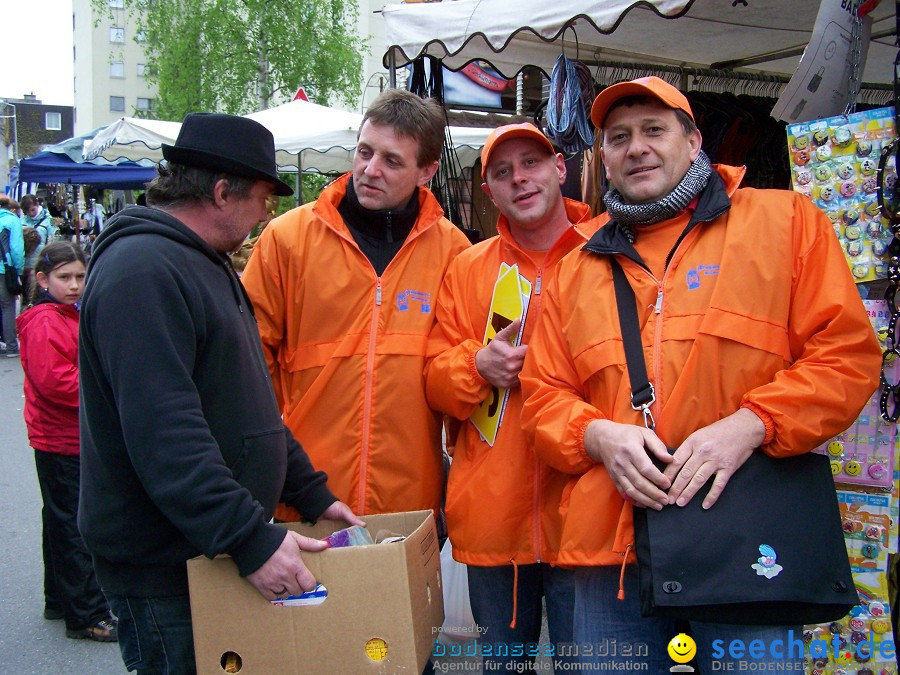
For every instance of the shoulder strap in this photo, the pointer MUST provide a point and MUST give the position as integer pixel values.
(642, 393)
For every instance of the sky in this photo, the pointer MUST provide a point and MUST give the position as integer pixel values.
(38, 46)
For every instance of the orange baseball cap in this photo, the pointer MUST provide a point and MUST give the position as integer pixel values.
(643, 86)
(508, 132)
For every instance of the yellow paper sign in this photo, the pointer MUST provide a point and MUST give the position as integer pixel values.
(508, 303)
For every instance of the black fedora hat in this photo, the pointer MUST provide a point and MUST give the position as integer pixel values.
(235, 145)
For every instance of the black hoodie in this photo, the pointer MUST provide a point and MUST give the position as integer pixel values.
(183, 450)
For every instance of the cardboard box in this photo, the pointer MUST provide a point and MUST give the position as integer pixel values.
(383, 608)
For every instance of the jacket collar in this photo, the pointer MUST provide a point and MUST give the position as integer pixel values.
(577, 212)
(713, 201)
(326, 208)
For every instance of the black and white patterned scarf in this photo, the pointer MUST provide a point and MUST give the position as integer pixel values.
(629, 215)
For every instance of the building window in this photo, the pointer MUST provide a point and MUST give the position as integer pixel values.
(140, 37)
(53, 121)
(117, 104)
(117, 4)
(143, 70)
(146, 103)
(117, 35)
(117, 69)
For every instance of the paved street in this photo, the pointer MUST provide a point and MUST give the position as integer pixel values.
(28, 643)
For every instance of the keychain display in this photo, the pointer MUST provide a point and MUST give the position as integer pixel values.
(834, 162)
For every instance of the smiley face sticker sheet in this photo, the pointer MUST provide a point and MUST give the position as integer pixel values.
(865, 454)
(834, 162)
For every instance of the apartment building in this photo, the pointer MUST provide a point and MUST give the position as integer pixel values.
(109, 67)
(27, 126)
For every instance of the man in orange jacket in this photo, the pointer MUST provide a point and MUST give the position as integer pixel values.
(502, 502)
(343, 290)
(755, 338)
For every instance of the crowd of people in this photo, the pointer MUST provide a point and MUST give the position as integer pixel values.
(327, 380)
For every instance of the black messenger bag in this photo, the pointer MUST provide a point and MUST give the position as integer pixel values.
(770, 551)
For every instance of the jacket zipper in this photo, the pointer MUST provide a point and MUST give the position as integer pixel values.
(367, 399)
(657, 309)
(536, 505)
(368, 391)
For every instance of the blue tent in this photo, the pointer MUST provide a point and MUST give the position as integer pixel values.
(50, 167)
(63, 163)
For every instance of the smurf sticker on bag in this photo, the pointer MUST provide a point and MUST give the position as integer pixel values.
(766, 565)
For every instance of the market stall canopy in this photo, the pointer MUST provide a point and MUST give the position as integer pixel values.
(312, 137)
(63, 163)
(73, 148)
(766, 36)
(324, 138)
(132, 138)
(51, 167)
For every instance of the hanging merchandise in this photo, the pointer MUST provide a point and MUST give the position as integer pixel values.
(886, 200)
(847, 166)
(834, 162)
(571, 95)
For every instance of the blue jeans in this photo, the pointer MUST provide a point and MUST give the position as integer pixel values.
(155, 634)
(491, 597)
(617, 633)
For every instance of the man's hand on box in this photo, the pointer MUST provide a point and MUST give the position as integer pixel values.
(340, 511)
(284, 573)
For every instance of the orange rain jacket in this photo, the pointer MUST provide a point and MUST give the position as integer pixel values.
(502, 502)
(756, 309)
(346, 349)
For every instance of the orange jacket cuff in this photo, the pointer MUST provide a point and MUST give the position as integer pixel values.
(766, 420)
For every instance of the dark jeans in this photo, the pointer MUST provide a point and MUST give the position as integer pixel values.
(69, 581)
(155, 634)
(8, 317)
(491, 597)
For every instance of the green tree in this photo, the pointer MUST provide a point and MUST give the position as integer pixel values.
(239, 56)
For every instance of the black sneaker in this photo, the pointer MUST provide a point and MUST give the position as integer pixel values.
(102, 631)
(12, 353)
(53, 614)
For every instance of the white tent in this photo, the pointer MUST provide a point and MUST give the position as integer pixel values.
(308, 137)
(323, 138)
(755, 36)
(131, 138)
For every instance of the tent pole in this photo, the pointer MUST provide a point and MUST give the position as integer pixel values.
(392, 69)
(298, 200)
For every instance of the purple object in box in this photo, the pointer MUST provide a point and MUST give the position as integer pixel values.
(351, 536)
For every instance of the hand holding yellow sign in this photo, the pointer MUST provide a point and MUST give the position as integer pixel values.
(508, 303)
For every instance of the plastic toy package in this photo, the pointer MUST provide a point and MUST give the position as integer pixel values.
(834, 162)
(867, 529)
(861, 643)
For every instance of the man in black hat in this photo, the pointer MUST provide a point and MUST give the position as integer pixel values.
(183, 448)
